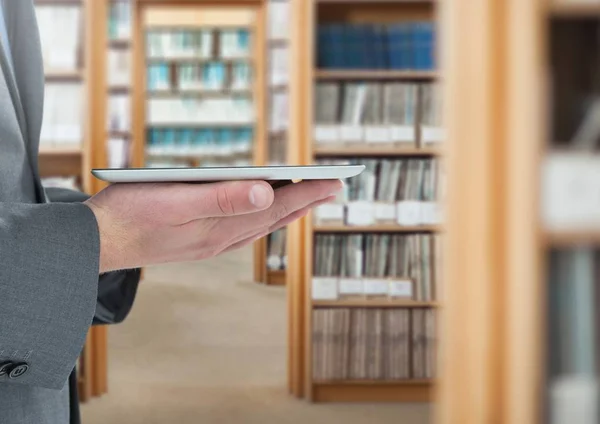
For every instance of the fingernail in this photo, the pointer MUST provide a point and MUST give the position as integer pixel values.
(259, 196)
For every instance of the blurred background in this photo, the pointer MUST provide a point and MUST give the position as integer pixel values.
(454, 281)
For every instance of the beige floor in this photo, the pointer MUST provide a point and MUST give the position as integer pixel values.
(205, 345)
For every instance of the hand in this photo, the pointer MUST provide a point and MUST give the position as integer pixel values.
(147, 224)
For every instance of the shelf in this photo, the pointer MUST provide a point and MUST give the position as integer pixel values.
(375, 303)
(58, 2)
(278, 42)
(201, 125)
(344, 150)
(276, 277)
(374, 74)
(66, 76)
(574, 9)
(119, 134)
(119, 89)
(374, 391)
(389, 228)
(61, 151)
(568, 238)
(119, 44)
(409, 382)
(393, 2)
(196, 59)
(198, 93)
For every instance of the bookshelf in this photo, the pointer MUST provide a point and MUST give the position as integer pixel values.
(194, 55)
(521, 159)
(270, 252)
(325, 291)
(67, 142)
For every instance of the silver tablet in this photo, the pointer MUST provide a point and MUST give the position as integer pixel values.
(266, 173)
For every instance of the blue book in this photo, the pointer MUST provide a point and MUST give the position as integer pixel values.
(380, 47)
(396, 50)
(322, 46)
(337, 40)
(422, 36)
(367, 54)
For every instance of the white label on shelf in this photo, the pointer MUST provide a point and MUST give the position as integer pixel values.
(385, 212)
(327, 133)
(351, 133)
(361, 213)
(351, 286)
(570, 194)
(324, 288)
(408, 212)
(376, 287)
(378, 134)
(403, 134)
(274, 262)
(428, 212)
(401, 288)
(432, 134)
(330, 211)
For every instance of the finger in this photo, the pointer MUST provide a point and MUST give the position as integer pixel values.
(246, 240)
(189, 202)
(288, 200)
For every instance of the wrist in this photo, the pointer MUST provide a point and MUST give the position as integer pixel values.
(108, 258)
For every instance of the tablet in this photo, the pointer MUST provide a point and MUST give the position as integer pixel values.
(265, 173)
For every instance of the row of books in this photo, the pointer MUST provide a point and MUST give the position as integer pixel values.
(278, 19)
(406, 192)
(277, 148)
(381, 265)
(63, 116)
(119, 68)
(212, 76)
(119, 20)
(228, 110)
(119, 113)
(276, 251)
(205, 141)
(202, 44)
(373, 344)
(61, 34)
(61, 182)
(279, 64)
(395, 112)
(573, 345)
(405, 45)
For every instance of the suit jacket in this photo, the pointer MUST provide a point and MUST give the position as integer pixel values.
(50, 289)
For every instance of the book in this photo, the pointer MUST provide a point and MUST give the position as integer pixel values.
(373, 344)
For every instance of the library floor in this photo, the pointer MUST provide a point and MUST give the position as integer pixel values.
(205, 345)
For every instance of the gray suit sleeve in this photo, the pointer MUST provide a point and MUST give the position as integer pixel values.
(48, 288)
(116, 290)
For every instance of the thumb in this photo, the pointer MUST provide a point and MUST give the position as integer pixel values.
(228, 198)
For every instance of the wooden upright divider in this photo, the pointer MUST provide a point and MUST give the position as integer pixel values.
(491, 359)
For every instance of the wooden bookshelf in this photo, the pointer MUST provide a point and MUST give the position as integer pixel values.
(262, 274)
(305, 74)
(64, 160)
(165, 15)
